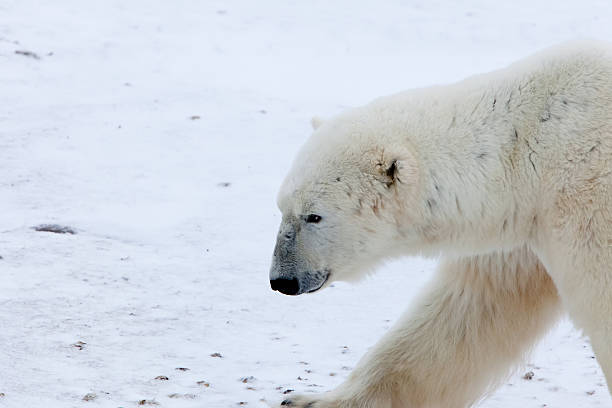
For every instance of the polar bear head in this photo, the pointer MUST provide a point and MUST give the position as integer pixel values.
(343, 204)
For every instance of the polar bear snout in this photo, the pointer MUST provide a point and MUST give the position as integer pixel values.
(291, 273)
(301, 259)
(286, 286)
(308, 283)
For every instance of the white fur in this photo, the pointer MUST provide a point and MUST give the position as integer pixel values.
(509, 176)
(316, 122)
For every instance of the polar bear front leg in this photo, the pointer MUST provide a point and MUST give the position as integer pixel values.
(585, 287)
(477, 318)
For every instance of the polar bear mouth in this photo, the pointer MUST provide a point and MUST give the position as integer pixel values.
(323, 282)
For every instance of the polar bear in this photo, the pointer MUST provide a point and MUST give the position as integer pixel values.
(507, 176)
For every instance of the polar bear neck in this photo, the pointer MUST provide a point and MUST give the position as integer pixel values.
(479, 143)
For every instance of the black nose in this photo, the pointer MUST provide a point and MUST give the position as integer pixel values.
(286, 286)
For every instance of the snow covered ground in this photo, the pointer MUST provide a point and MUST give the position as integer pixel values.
(160, 131)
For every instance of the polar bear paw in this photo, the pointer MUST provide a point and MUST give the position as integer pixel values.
(328, 400)
(304, 401)
(301, 401)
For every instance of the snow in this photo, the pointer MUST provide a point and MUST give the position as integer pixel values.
(160, 131)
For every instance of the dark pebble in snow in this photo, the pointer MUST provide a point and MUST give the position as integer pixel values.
(55, 228)
(90, 397)
(148, 402)
(186, 396)
(25, 53)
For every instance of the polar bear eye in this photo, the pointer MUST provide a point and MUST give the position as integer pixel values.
(313, 218)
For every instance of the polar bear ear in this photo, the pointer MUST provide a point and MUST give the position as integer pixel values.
(397, 170)
(316, 121)
(390, 172)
